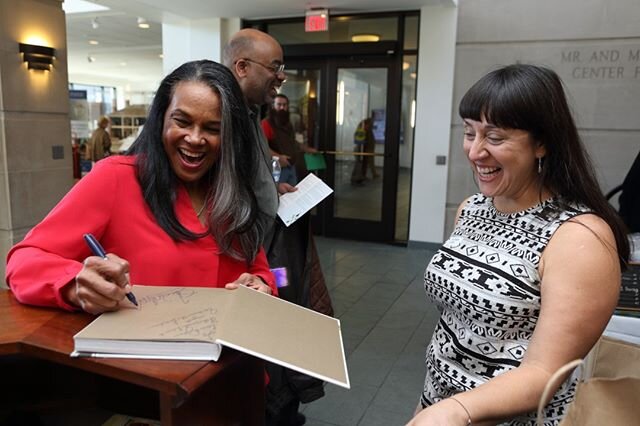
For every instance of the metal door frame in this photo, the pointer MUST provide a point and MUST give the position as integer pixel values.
(327, 59)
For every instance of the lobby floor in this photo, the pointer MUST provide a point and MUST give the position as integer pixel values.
(387, 322)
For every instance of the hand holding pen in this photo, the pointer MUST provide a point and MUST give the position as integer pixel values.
(97, 249)
(102, 283)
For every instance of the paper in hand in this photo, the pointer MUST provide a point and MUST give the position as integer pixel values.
(311, 190)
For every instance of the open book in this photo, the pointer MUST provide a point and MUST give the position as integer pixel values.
(311, 190)
(195, 322)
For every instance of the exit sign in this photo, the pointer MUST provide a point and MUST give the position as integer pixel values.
(316, 20)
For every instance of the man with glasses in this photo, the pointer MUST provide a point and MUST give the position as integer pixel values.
(256, 60)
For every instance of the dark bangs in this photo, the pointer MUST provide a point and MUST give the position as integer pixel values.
(506, 98)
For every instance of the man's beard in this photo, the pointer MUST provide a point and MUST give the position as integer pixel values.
(280, 117)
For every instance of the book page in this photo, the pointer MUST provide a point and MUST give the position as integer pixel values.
(166, 313)
(311, 190)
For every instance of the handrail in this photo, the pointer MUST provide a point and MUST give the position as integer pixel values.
(361, 154)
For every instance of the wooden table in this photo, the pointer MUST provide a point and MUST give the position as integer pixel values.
(35, 344)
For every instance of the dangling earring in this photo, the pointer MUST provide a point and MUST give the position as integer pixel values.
(539, 165)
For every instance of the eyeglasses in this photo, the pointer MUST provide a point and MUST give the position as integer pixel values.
(276, 69)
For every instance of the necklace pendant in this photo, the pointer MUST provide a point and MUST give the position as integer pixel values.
(199, 212)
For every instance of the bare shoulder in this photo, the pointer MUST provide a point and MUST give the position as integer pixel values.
(583, 241)
(584, 228)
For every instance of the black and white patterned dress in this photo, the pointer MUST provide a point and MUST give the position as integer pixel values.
(486, 283)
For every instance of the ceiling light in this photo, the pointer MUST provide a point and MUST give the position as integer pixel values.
(358, 38)
(95, 24)
(94, 42)
(161, 56)
(123, 64)
(413, 75)
(142, 23)
(406, 66)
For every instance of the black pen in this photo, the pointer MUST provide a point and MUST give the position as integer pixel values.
(97, 250)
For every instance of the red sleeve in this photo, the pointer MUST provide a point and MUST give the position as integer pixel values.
(260, 267)
(267, 129)
(51, 254)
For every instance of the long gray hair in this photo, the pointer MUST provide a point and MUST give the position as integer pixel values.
(231, 202)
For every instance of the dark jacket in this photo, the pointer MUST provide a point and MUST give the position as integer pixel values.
(630, 197)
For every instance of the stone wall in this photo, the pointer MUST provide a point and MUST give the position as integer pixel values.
(34, 119)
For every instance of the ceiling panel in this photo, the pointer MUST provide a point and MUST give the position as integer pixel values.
(130, 54)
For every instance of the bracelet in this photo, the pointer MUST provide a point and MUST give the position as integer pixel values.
(465, 409)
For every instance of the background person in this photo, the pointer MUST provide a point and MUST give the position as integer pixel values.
(630, 197)
(281, 137)
(530, 275)
(368, 161)
(365, 143)
(100, 141)
(177, 209)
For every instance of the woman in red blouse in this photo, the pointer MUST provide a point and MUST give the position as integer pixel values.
(176, 209)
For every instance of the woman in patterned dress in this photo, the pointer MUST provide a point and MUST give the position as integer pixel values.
(530, 276)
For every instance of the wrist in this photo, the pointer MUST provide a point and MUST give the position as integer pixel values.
(69, 295)
(265, 285)
(465, 415)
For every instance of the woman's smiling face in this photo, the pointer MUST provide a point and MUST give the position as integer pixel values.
(504, 162)
(191, 131)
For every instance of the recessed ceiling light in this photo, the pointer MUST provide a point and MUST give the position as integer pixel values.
(95, 24)
(413, 75)
(406, 65)
(142, 23)
(123, 64)
(161, 56)
(93, 42)
(358, 38)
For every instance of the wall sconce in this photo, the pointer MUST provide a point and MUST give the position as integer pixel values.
(37, 57)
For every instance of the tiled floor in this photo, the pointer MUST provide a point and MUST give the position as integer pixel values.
(387, 321)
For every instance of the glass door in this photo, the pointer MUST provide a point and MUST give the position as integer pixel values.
(362, 146)
(361, 96)
(347, 110)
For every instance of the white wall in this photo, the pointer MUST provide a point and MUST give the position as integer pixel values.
(433, 117)
(195, 39)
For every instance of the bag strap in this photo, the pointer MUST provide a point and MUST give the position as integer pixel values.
(549, 386)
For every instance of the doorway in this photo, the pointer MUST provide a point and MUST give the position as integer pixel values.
(349, 104)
